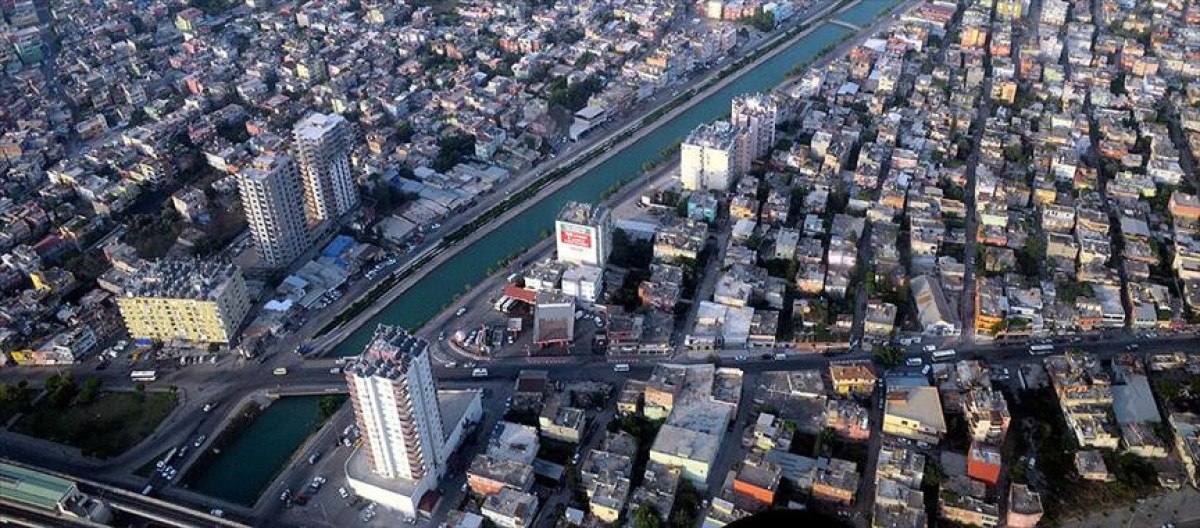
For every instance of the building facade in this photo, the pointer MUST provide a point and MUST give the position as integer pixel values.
(757, 112)
(185, 299)
(396, 407)
(273, 199)
(403, 419)
(583, 234)
(713, 155)
(322, 150)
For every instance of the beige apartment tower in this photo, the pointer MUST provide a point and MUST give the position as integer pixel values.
(322, 149)
(273, 199)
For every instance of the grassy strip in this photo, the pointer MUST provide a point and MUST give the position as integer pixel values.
(104, 428)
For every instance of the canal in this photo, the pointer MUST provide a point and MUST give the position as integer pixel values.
(246, 468)
(469, 267)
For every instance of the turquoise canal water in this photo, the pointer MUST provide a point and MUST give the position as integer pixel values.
(437, 289)
(864, 14)
(246, 468)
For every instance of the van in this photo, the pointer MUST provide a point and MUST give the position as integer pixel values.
(281, 371)
(621, 367)
(479, 373)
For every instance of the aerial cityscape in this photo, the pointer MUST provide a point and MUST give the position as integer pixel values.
(637, 263)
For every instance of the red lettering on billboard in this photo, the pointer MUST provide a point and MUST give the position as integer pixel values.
(578, 239)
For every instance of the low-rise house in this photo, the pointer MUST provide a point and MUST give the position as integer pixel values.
(605, 476)
(510, 508)
(1024, 507)
(961, 501)
(488, 475)
(835, 480)
(984, 463)
(658, 488)
(693, 451)
(852, 377)
(848, 419)
(914, 413)
(1187, 442)
(559, 421)
(1090, 466)
(769, 432)
(757, 480)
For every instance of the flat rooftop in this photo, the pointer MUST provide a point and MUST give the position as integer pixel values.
(32, 488)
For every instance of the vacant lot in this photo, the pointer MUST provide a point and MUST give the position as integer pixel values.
(106, 427)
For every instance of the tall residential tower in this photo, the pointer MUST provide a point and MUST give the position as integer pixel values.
(322, 148)
(583, 234)
(409, 428)
(713, 155)
(757, 112)
(273, 199)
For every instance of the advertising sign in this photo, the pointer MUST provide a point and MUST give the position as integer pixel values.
(575, 236)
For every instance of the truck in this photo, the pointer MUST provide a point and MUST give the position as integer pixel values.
(280, 371)
(479, 373)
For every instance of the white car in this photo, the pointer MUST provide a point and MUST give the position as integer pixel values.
(929, 348)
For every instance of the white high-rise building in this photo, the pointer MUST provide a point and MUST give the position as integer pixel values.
(273, 200)
(712, 156)
(583, 234)
(409, 428)
(322, 147)
(757, 112)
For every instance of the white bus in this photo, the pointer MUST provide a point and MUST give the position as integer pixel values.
(143, 376)
(942, 355)
(1038, 350)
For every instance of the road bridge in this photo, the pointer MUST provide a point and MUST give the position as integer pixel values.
(847, 25)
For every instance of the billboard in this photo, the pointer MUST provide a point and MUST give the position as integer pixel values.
(573, 235)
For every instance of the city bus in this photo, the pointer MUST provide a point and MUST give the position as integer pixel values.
(942, 355)
(1038, 350)
(143, 376)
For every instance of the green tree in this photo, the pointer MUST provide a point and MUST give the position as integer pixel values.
(91, 388)
(452, 150)
(646, 516)
(404, 132)
(329, 405)
(760, 20)
(61, 389)
(686, 506)
(889, 357)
